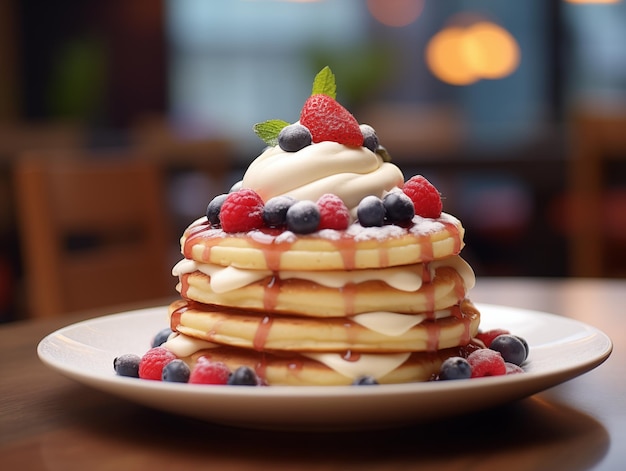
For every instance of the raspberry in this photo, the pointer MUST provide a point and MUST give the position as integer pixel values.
(329, 121)
(486, 362)
(242, 211)
(488, 336)
(333, 212)
(425, 197)
(209, 372)
(153, 361)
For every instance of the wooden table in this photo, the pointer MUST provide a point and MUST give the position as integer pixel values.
(49, 422)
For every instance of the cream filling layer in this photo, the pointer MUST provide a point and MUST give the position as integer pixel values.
(392, 323)
(370, 364)
(366, 364)
(405, 278)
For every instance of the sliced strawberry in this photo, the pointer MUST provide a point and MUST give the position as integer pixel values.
(329, 121)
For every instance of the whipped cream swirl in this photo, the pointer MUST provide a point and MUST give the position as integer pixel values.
(327, 167)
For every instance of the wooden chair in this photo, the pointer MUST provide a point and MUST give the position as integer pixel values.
(598, 139)
(93, 231)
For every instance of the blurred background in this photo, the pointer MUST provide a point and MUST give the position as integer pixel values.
(516, 111)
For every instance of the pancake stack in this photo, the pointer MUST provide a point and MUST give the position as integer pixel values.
(328, 306)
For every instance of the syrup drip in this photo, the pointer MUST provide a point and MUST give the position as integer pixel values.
(432, 343)
(349, 355)
(176, 315)
(427, 249)
(271, 292)
(346, 247)
(349, 295)
(426, 275)
(263, 330)
(454, 233)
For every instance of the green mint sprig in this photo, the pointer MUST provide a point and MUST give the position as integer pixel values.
(324, 83)
(268, 130)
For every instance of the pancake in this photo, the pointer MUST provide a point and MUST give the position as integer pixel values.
(325, 369)
(261, 332)
(358, 247)
(272, 294)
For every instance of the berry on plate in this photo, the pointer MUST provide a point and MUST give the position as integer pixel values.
(455, 368)
(426, 199)
(242, 211)
(486, 362)
(161, 337)
(209, 372)
(153, 361)
(510, 347)
(176, 371)
(487, 336)
(329, 121)
(243, 376)
(365, 381)
(127, 365)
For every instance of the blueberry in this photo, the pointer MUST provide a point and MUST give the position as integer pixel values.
(371, 212)
(127, 365)
(161, 337)
(510, 347)
(365, 381)
(294, 137)
(243, 376)
(275, 210)
(213, 209)
(236, 187)
(455, 368)
(303, 217)
(525, 343)
(398, 207)
(370, 139)
(176, 371)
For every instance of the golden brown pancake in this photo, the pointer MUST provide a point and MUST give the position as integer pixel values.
(356, 248)
(259, 331)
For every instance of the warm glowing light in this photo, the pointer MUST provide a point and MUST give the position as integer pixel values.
(490, 51)
(395, 13)
(461, 55)
(446, 59)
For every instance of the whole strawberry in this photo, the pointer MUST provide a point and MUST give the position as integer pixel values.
(426, 199)
(327, 120)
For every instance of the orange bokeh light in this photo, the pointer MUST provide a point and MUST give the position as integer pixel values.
(463, 55)
(395, 13)
(445, 57)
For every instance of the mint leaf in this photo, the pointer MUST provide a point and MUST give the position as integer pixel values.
(268, 130)
(324, 83)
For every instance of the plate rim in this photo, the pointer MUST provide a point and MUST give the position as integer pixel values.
(513, 386)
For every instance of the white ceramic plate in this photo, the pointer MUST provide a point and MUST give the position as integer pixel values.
(560, 349)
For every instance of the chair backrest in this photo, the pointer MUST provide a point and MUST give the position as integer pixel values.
(93, 231)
